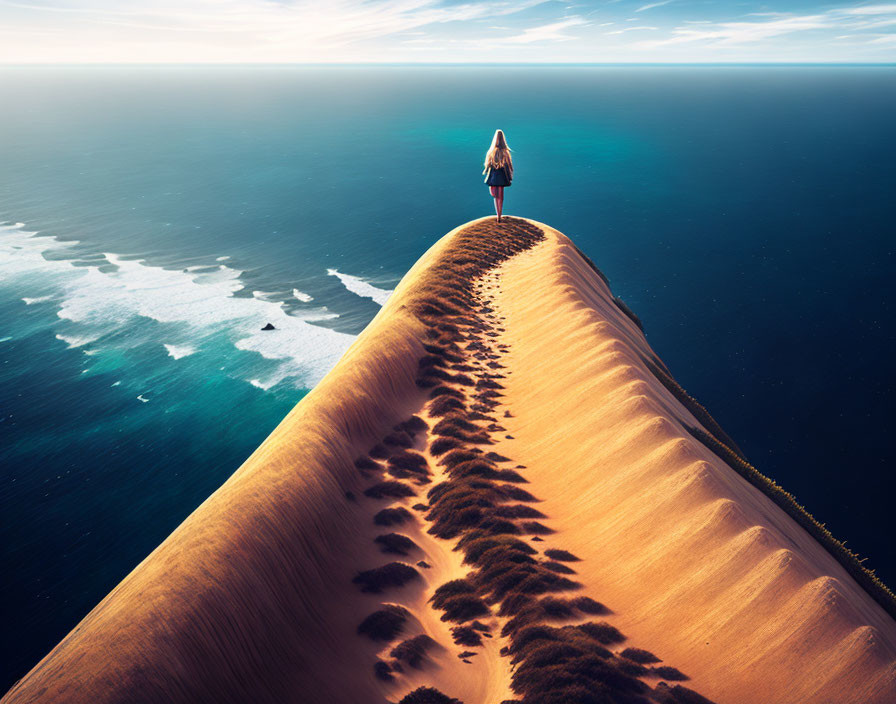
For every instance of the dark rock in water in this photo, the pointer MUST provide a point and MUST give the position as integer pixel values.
(269, 326)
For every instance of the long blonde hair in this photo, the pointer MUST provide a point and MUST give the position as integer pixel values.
(498, 155)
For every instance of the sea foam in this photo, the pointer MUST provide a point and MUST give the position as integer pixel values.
(178, 351)
(360, 287)
(199, 304)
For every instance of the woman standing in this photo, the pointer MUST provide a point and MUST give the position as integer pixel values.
(498, 170)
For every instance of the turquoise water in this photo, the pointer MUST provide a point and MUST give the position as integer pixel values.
(156, 219)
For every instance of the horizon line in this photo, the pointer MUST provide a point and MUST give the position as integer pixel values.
(34, 64)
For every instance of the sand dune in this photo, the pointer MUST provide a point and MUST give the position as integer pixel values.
(497, 494)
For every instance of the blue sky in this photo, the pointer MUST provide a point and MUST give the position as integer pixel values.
(152, 31)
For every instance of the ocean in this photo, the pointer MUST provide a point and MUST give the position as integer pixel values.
(154, 219)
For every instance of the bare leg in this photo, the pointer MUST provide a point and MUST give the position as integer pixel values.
(494, 190)
(499, 202)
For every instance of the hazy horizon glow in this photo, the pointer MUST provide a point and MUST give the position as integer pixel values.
(444, 31)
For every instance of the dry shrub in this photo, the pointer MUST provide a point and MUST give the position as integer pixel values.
(455, 457)
(451, 429)
(515, 604)
(385, 624)
(399, 439)
(510, 475)
(602, 632)
(393, 575)
(464, 607)
(428, 695)
(569, 664)
(529, 579)
(395, 543)
(389, 489)
(466, 636)
(446, 391)
(416, 477)
(518, 511)
(444, 405)
(446, 352)
(561, 555)
(495, 457)
(498, 526)
(587, 605)
(459, 601)
(383, 671)
(477, 548)
(410, 461)
(527, 610)
(414, 424)
(474, 467)
(644, 657)
(379, 451)
(453, 588)
(557, 608)
(436, 373)
(413, 650)
(454, 423)
(664, 694)
(427, 382)
(536, 528)
(366, 464)
(448, 524)
(632, 668)
(428, 361)
(392, 516)
(515, 493)
(442, 445)
(669, 673)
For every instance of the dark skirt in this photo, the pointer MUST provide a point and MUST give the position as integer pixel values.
(497, 177)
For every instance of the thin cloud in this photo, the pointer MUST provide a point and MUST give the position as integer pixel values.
(776, 24)
(868, 10)
(226, 29)
(653, 5)
(547, 32)
(630, 29)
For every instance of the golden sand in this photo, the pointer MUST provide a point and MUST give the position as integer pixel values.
(252, 597)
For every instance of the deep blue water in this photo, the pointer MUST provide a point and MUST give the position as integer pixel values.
(745, 213)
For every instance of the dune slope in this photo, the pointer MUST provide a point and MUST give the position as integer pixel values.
(499, 493)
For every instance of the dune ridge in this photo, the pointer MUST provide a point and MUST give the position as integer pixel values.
(494, 496)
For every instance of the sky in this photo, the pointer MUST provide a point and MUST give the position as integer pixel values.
(436, 31)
